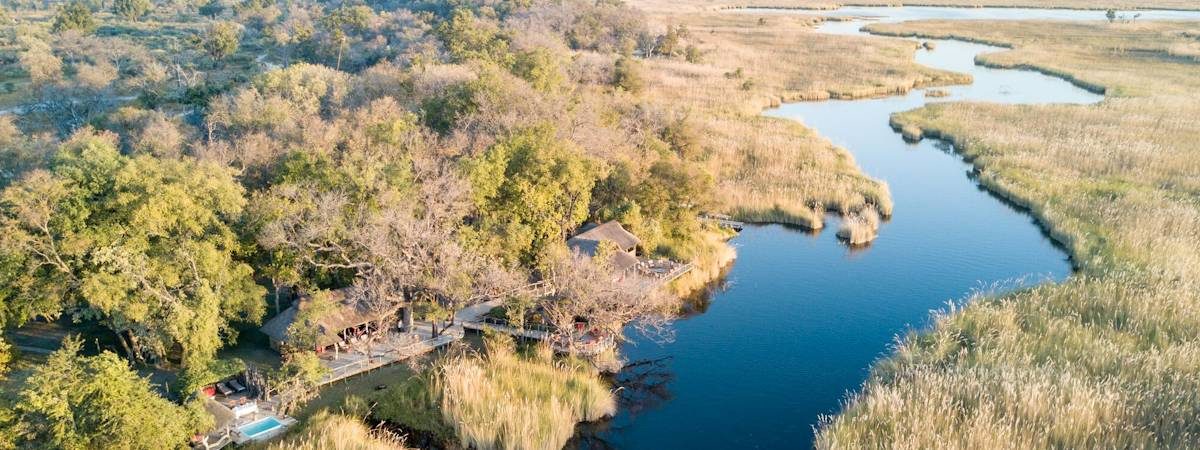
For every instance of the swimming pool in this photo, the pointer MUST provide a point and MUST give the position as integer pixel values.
(260, 427)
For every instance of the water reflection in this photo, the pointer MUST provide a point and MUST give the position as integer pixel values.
(800, 317)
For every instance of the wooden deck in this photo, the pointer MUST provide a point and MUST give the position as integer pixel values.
(387, 351)
(475, 319)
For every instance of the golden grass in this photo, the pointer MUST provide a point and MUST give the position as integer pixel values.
(505, 400)
(1141, 58)
(776, 170)
(1111, 357)
(708, 265)
(655, 5)
(327, 431)
(860, 228)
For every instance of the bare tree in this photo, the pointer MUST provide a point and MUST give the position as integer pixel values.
(607, 301)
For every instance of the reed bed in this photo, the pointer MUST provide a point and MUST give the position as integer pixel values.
(1109, 358)
(710, 261)
(776, 170)
(860, 228)
(327, 431)
(832, 4)
(504, 400)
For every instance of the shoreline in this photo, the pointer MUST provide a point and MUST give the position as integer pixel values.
(930, 5)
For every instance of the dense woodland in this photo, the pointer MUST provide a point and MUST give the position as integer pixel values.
(172, 171)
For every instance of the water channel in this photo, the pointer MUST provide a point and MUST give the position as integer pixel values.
(800, 317)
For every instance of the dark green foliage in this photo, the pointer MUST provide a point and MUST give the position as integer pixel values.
(467, 38)
(442, 113)
(627, 75)
(91, 402)
(660, 205)
(414, 404)
(74, 16)
(540, 67)
(530, 189)
(212, 9)
(222, 40)
(683, 138)
(144, 245)
(671, 43)
(131, 9)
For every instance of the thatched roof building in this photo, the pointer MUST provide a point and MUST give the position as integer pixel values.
(588, 242)
(349, 311)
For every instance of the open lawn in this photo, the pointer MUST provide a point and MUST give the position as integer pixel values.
(1111, 357)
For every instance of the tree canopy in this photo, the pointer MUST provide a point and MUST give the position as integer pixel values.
(75, 402)
(530, 190)
(145, 245)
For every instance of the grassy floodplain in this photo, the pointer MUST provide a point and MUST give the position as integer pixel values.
(1111, 357)
(767, 169)
(1070, 4)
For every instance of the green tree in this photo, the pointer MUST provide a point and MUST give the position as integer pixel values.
(131, 9)
(222, 40)
(74, 16)
(670, 44)
(540, 67)
(342, 21)
(79, 402)
(145, 245)
(443, 112)
(466, 37)
(627, 75)
(211, 9)
(530, 189)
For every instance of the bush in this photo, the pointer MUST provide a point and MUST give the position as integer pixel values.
(627, 75)
(74, 16)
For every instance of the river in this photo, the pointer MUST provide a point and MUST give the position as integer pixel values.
(799, 318)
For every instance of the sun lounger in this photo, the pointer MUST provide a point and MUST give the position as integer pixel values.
(236, 386)
(225, 390)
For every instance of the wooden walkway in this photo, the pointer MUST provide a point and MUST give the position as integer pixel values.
(723, 221)
(475, 318)
(394, 349)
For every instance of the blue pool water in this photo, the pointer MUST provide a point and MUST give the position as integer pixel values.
(259, 427)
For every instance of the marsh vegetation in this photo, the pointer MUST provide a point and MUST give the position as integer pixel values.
(1108, 358)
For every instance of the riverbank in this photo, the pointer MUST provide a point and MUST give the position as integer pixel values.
(1077, 5)
(771, 170)
(1110, 354)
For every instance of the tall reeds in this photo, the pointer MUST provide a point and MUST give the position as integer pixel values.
(1111, 357)
(505, 400)
(327, 431)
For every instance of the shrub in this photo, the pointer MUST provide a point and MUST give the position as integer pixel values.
(74, 16)
(627, 75)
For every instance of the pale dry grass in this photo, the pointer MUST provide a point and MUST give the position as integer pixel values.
(776, 170)
(1111, 357)
(860, 227)
(507, 401)
(710, 261)
(658, 5)
(1141, 58)
(327, 431)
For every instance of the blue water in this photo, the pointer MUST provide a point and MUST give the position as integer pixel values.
(801, 317)
(258, 427)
